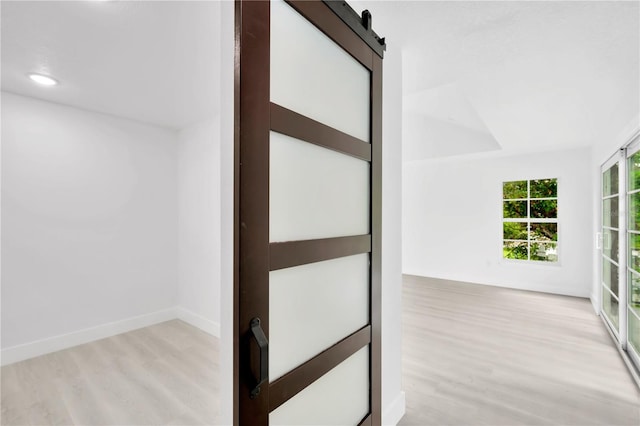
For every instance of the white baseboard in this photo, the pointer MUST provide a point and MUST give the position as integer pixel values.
(522, 286)
(594, 302)
(393, 412)
(64, 341)
(198, 321)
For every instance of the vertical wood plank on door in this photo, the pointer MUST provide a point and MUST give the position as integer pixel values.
(252, 130)
(376, 240)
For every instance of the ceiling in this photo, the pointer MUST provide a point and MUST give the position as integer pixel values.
(514, 76)
(154, 62)
(478, 76)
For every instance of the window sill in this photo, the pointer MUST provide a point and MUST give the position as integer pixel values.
(534, 263)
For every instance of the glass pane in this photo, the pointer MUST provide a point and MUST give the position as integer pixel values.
(610, 181)
(610, 276)
(634, 212)
(514, 230)
(544, 232)
(634, 331)
(343, 392)
(313, 76)
(311, 307)
(514, 209)
(515, 250)
(610, 212)
(634, 252)
(610, 307)
(610, 244)
(634, 171)
(544, 188)
(315, 192)
(544, 252)
(544, 209)
(634, 292)
(514, 190)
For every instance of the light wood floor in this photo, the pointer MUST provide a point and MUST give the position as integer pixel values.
(480, 355)
(163, 374)
(472, 355)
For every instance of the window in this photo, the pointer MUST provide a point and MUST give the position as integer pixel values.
(530, 220)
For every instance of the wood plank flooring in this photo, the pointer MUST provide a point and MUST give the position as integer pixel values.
(472, 355)
(480, 355)
(164, 374)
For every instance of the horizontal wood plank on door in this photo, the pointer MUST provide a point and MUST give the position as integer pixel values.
(330, 24)
(360, 24)
(298, 126)
(287, 386)
(295, 253)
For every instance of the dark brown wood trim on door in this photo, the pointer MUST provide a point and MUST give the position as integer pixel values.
(236, 216)
(294, 253)
(376, 242)
(361, 25)
(298, 126)
(252, 131)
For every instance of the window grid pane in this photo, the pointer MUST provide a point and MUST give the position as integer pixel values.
(530, 220)
(610, 181)
(634, 172)
(516, 190)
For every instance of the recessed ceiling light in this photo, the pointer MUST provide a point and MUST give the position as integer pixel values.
(43, 79)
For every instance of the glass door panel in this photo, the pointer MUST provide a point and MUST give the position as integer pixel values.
(313, 306)
(611, 307)
(311, 75)
(631, 320)
(610, 244)
(344, 392)
(634, 329)
(620, 277)
(315, 192)
(633, 314)
(610, 278)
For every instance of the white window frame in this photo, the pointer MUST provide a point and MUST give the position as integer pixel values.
(529, 220)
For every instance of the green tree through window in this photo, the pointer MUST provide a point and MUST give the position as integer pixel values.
(530, 220)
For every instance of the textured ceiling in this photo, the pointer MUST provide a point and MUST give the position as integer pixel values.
(536, 75)
(155, 62)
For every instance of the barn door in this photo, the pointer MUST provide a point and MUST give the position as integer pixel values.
(308, 184)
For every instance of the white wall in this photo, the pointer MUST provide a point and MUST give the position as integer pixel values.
(89, 219)
(227, 170)
(452, 229)
(199, 224)
(393, 399)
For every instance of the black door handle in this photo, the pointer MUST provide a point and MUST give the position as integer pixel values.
(263, 346)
